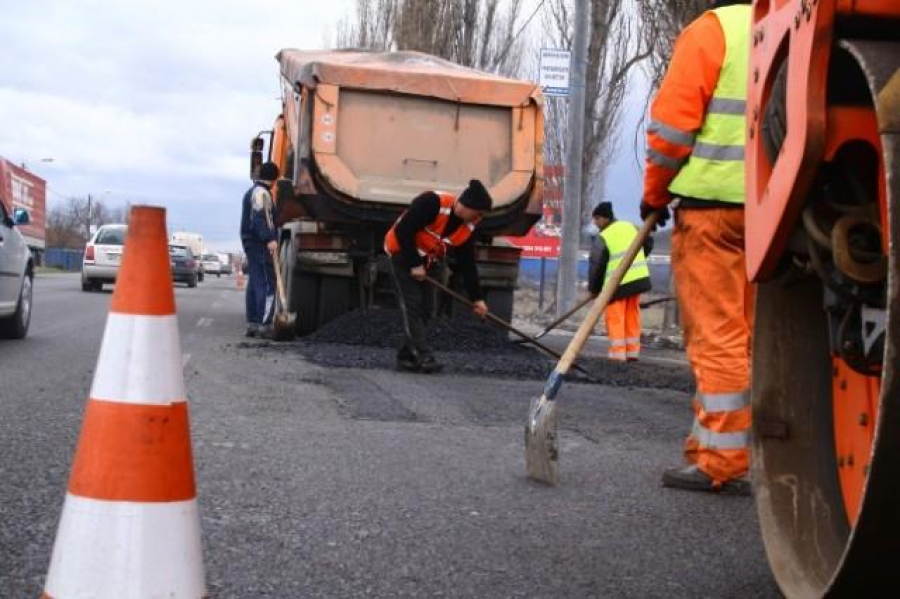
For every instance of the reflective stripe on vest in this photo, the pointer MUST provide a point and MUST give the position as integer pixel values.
(715, 169)
(618, 236)
(430, 241)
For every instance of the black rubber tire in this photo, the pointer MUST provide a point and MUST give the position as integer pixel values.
(334, 298)
(303, 299)
(87, 285)
(16, 325)
(192, 283)
(500, 302)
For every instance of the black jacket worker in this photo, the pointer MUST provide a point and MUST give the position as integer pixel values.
(433, 224)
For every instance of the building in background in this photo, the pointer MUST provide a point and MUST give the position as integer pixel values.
(20, 188)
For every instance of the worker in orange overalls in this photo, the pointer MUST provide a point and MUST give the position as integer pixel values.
(695, 154)
(623, 313)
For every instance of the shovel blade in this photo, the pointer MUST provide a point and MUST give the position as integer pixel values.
(541, 435)
(284, 328)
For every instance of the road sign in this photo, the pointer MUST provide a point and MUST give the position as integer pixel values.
(554, 72)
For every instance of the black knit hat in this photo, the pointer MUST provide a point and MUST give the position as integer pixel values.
(476, 197)
(268, 171)
(604, 209)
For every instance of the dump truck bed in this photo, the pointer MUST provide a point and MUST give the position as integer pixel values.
(381, 128)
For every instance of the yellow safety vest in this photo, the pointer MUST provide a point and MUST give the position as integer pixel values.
(618, 237)
(715, 169)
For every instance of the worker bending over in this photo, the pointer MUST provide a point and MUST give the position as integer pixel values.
(623, 313)
(695, 153)
(420, 239)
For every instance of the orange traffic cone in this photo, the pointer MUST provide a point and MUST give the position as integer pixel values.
(130, 525)
(240, 276)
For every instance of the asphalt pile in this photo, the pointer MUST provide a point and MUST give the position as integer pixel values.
(465, 346)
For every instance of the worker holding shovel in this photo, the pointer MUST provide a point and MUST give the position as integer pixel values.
(623, 314)
(434, 223)
(259, 241)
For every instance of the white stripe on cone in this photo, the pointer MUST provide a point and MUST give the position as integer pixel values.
(140, 361)
(126, 550)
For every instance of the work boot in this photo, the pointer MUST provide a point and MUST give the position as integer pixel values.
(430, 365)
(252, 330)
(691, 478)
(407, 361)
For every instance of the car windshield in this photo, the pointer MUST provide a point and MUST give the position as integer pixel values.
(210, 258)
(111, 236)
(181, 252)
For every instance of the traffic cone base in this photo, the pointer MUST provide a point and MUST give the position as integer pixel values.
(125, 549)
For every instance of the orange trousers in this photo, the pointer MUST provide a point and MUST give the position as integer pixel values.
(623, 327)
(716, 303)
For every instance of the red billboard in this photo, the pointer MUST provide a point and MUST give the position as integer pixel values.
(542, 240)
(20, 188)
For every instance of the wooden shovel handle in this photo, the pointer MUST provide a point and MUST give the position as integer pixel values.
(277, 263)
(609, 288)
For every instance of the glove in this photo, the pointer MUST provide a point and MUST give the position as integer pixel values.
(664, 214)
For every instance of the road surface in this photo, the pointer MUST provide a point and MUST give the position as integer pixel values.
(340, 482)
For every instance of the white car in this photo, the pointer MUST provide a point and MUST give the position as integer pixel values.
(212, 265)
(16, 275)
(102, 257)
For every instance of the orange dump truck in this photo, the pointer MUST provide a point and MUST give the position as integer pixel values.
(363, 133)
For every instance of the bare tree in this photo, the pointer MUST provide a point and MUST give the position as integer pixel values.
(662, 21)
(475, 33)
(68, 223)
(615, 48)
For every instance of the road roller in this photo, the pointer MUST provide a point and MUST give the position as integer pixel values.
(823, 246)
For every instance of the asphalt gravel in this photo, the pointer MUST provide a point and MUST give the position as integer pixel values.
(464, 346)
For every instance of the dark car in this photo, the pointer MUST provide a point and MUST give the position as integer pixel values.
(184, 265)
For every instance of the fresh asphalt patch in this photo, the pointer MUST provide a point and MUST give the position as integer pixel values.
(464, 346)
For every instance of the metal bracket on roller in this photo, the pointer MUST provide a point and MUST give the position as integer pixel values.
(873, 322)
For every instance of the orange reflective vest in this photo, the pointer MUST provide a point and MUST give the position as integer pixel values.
(430, 241)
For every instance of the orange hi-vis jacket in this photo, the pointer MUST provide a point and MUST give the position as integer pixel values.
(430, 241)
(679, 108)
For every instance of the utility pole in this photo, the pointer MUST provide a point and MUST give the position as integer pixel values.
(90, 216)
(567, 280)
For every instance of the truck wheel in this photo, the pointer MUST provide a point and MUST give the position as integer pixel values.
(16, 326)
(192, 282)
(500, 303)
(303, 301)
(334, 298)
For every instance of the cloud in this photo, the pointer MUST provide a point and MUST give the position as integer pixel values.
(150, 100)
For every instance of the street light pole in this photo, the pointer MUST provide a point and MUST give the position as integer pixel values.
(567, 280)
(90, 215)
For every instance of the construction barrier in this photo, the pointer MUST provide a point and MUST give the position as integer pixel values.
(130, 525)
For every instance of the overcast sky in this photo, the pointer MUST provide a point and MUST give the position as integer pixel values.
(155, 101)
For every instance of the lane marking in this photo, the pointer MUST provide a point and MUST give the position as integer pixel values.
(216, 305)
(204, 322)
